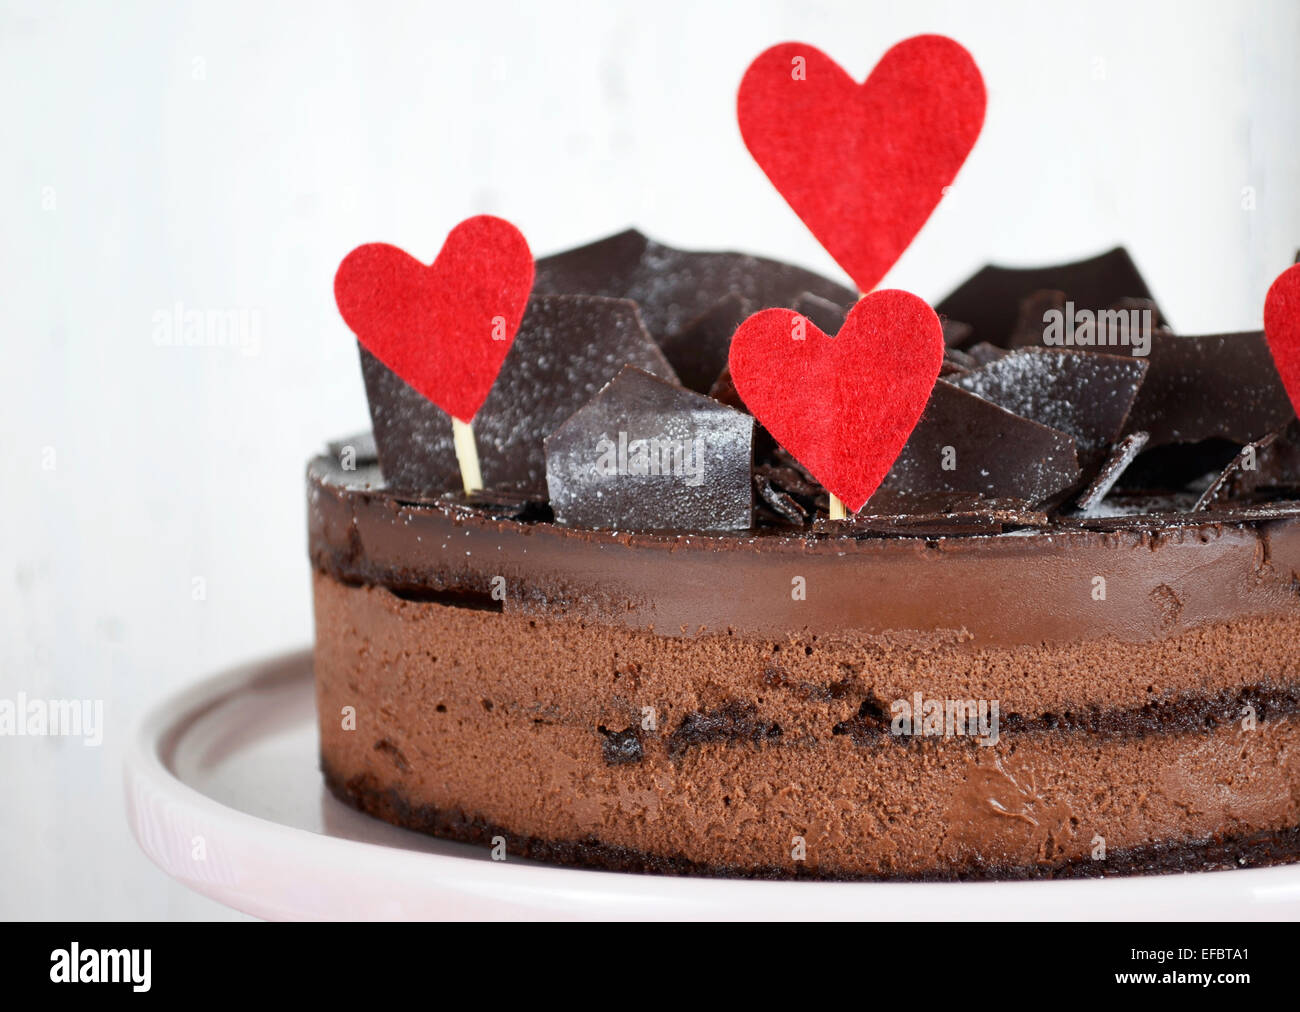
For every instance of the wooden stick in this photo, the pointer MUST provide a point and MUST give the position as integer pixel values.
(462, 437)
(837, 511)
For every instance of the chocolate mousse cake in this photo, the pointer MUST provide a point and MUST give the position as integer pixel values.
(1061, 639)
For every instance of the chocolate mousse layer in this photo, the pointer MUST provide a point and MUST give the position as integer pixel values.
(732, 703)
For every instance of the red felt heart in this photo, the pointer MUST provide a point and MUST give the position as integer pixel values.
(1282, 329)
(863, 165)
(445, 328)
(843, 405)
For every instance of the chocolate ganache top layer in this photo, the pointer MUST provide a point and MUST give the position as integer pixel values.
(1033, 586)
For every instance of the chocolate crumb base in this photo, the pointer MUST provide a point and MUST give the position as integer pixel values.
(1219, 853)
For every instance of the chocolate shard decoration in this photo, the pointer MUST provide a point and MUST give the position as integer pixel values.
(983, 352)
(1176, 466)
(412, 435)
(825, 315)
(1278, 509)
(1116, 329)
(955, 332)
(780, 504)
(1182, 517)
(1221, 386)
(611, 267)
(1122, 454)
(674, 287)
(791, 475)
(1277, 465)
(1132, 504)
(698, 352)
(1132, 304)
(498, 504)
(724, 391)
(788, 476)
(964, 443)
(1083, 394)
(783, 488)
(1245, 461)
(1030, 322)
(960, 360)
(567, 348)
(645, 454)
(990, 300)
(939, 514)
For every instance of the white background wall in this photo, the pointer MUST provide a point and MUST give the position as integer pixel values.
(227, 155)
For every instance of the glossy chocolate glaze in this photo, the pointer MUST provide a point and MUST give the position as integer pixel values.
(1028, 587)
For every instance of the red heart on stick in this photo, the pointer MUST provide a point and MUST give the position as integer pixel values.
(446, 328)
(863, 165)
(1282, 329)
(843, 405)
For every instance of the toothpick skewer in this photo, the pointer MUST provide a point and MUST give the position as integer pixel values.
(837, 511)
(462, 436)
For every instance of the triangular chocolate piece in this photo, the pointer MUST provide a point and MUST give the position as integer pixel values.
(1246, 461)
(1122, 454)
(1277, 464)
(964, 443)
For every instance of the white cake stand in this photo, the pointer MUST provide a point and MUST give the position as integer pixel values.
(223, 793)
